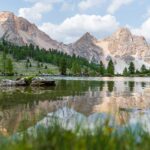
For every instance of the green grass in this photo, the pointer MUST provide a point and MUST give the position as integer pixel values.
(20, 67)
(57, 138)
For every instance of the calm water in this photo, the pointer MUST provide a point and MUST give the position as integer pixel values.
(125, 100)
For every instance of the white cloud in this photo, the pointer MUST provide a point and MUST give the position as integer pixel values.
(86, 4)
(116, 4)
(35, 12)
(73, 28)
(38, 8)
(144, 30)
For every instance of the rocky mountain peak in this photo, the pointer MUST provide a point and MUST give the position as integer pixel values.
(6, 16)
(123, 35)
(87, 37)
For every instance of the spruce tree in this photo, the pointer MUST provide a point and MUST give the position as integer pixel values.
(76, 69)
(125, 72)
(9, 66)
(131, 68)
(4, 59)
(143, 69)
(102, 68)
(63, 67)
(111, 68)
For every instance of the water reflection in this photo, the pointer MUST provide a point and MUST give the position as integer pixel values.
(21, 108)
(131, 85)
(110, 86)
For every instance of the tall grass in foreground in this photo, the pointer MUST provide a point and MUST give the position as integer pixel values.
(57, 138)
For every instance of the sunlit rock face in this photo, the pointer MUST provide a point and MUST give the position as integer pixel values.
(86, 47)
(20, 31)
(123, 43)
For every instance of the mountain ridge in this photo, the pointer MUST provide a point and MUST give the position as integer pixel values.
(122, 46)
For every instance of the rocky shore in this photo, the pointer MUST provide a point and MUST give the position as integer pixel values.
(28, 81)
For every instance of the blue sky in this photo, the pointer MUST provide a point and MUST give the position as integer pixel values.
(67, 20)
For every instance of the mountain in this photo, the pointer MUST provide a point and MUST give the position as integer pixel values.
(122, 47)
(86, 47)
(122, 43)
(20, 31)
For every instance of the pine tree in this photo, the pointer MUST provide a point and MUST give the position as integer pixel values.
(38, 65)
(4, 59)
(143, 69)
(27, 65)
(9, 66)
(63, 67)
(125, 72)
(46, 67)
(102, 68)
(110, 68)
(76, 69)
(30, 65)
(131, 68)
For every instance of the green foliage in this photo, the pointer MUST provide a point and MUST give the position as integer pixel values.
(131, 68)
(111, 68)
(76, 69)
(102, 68)
(52, 56)
(143, 69)
(46, 67)
(9, 67)
(57, 138)
(125, 72)
(28, 80)
(63, 66)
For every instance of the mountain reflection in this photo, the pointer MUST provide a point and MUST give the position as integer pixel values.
(21, 108)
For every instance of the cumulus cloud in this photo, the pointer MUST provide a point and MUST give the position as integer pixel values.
(38, 8)
(143, 30)
(116, 4)
(86, 4)
(73, 28)
(35, 12)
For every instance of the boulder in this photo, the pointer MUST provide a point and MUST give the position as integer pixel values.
(28, 81)
(38, 81)
(7, 82)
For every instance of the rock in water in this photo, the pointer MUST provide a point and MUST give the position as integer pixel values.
(23, 82)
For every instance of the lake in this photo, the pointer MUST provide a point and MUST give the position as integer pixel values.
(74, 101)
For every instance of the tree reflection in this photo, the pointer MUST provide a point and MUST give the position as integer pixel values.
(143, 84)
(101, 85)
(110, 85)
(131, 85)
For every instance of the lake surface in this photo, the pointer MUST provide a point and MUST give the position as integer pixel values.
(74, 101)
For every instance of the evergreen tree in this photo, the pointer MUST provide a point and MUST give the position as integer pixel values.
(76, 69)
(110, 68)
(30, 65)
(46, 67)
(4, 59)
(143, 69)
(9, 66)
(27, 65)
(63, 67)
(125, 72)
(131, 68)
(102, 68)
(38, 65)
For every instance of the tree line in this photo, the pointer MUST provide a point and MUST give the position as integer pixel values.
(71, 65)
